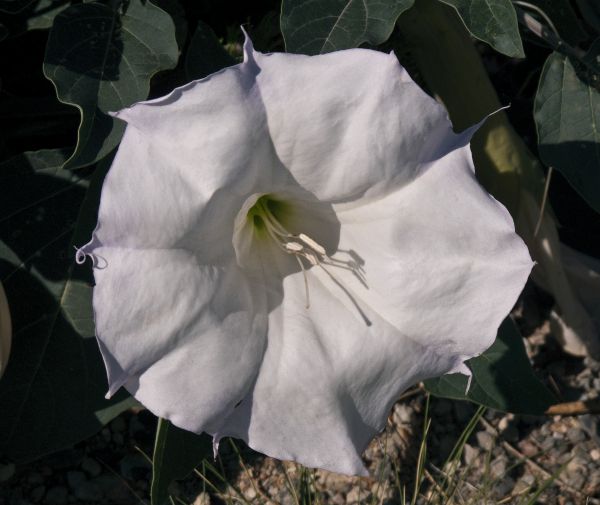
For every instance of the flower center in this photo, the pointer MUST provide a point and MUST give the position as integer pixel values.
(266, 216)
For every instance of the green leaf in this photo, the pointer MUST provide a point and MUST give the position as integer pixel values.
(205, 55)
(502, 378)
(176, 453)
(101, 60)
(567, 118)
(52, 394)
(493, 22)
(43, 13)
(322, 26)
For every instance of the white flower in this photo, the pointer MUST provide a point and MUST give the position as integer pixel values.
(285, 246)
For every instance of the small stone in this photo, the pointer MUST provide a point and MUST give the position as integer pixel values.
(118, 425)
(402, 413)
(528, 448)
(504, 487)
(595, 454)
(7, 471)
(37, 493)
(485, 440)
(498, 467)
(250, 493)
(354, 495)
(504, 423)
(548, 444)
(91, 467)
(575, 435)
(470, 454)
(576, 480)
(577, 465)
(75, 478)
(57, 495)
(528, 479)
(202, 499)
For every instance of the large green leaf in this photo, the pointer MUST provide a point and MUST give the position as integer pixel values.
(322, 26)
(176, 453)
(101, 59)
(502, 378)
(567, 117)
(493, 21)
(52, 394)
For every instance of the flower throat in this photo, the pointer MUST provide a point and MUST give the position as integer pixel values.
(266, 216)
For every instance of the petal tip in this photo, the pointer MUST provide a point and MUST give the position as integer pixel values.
(248, 46)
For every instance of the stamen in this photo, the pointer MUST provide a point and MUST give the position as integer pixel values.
(303, 247)
(312, 244)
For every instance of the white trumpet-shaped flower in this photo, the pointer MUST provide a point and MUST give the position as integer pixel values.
(285, 246)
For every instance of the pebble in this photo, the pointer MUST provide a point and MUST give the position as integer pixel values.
(57, 495)
(595, 454)
(470, 454)
(484, 440)
(498, 467)
(202, 499)
(355, 495)
(575, 435)
(504, 487)
(548, 444)
(91, 467)
(402, 413)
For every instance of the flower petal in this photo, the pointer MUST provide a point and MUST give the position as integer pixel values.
(169, 329)
(352, 123)
(441, 258)
(185, 164)
(328, 380)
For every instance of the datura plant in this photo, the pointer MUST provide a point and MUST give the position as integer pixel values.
(285, 246)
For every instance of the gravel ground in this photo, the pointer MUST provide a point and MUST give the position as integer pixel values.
(505, 459)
